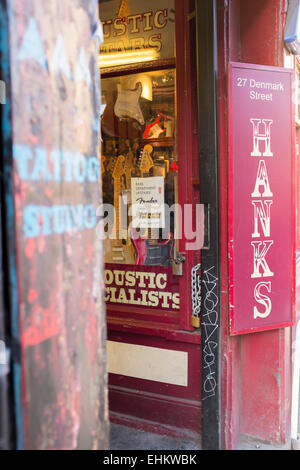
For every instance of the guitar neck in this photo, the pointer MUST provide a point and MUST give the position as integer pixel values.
(117, 194)
(128, 168)
(149, 229)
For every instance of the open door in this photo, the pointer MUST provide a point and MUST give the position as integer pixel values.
(153, 219)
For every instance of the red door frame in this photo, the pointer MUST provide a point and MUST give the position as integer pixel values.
(198, 182)
(187, 143)
(211, 321)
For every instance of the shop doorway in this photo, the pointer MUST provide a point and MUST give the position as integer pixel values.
(155, 223)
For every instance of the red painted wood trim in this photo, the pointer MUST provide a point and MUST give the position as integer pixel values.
(184, 147)
(160, 409)
(143, 328)
(294, 200)
(228, 47)
(152, 315)
(149, 426)
(190, 392)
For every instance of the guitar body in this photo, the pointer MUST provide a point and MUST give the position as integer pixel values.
(122, 116)
(158, 254)
(127, 104)
(153, 130)
(141, 250)
(149, 253)
(152, 252)
(117, 252)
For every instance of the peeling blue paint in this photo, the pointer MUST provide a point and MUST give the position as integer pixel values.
(82, 71)
(32, 47)
(60, 61)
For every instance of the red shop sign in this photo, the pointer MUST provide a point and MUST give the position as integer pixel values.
(261, 198)
(151, 287)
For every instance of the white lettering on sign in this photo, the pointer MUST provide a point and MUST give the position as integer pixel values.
(260, 250)
(266, 85)
(261, 132)
(262, 299)
(262, 181)
(264, 136)
(261, 212)
(258, 95)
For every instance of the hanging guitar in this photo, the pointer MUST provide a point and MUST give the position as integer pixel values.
(123, 116)
(149, 251)
(153, 130)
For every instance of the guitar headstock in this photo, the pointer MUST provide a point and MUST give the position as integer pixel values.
(128, 165)
(110, 164)
(118, 170)
(145, 160)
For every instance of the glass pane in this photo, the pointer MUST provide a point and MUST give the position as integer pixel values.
(136, 31)
(139, 167)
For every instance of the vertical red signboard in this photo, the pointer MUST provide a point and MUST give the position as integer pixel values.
(261, 205)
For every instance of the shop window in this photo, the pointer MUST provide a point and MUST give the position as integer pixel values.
(138, 132)
(139, 160)
(148, 159)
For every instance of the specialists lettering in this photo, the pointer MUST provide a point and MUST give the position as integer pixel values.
(139, 288)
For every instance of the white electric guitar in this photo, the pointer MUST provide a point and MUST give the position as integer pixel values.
(127, 104)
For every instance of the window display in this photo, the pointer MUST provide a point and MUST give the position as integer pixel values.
(139, 167)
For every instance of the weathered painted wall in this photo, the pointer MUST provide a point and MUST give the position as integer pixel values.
(61, 318)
